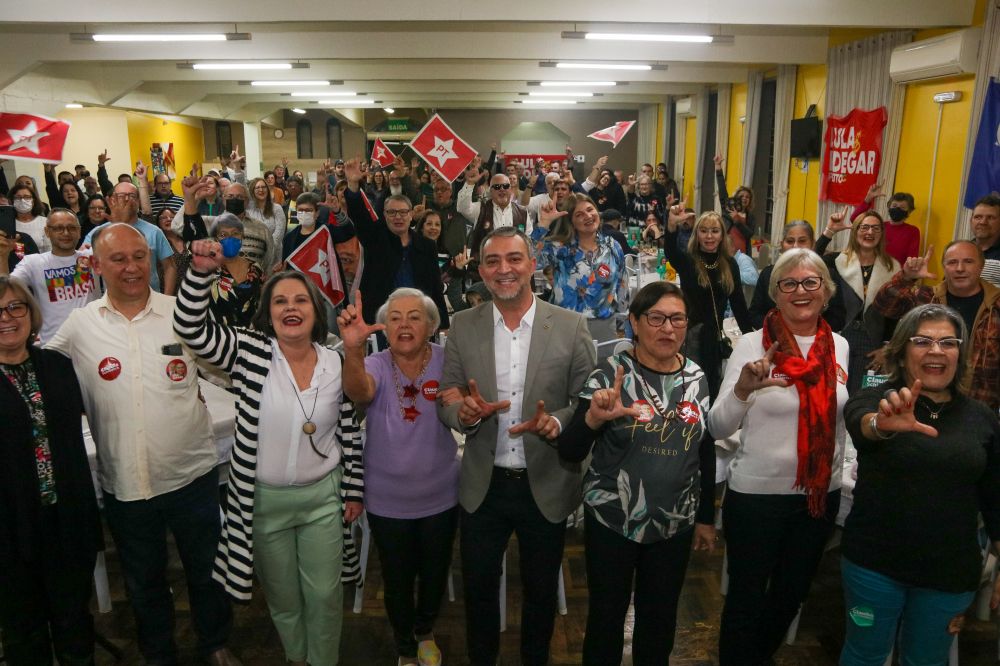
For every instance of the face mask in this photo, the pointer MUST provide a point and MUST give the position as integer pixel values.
(898, 214)
(236, 206)
(306, 219)
(23, 205)
(230, 244)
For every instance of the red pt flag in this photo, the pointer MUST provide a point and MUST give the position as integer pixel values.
(853, 154)
(442, 149)
(317, 260)
(381, 154)
(613, 134)
(25, 136)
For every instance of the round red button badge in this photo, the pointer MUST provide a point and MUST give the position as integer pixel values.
(645, 411)
(109, 368)
(177, 370)
(688, 412)
(430, 390)
(604, 271)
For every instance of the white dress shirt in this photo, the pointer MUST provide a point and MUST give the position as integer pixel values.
(284, 455)
(502, 217)
(510, 353)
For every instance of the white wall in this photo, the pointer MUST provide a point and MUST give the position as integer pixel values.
(91, 131)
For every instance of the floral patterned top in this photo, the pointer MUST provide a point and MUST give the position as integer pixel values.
(592, 283)
(645, 478)
(24, 379)
(234, 303)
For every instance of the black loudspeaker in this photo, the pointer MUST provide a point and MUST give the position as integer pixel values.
(807, 135)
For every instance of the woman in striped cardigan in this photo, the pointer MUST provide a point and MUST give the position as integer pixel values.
(296, 478)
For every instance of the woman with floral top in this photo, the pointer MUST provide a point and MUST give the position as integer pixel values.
(648, 493)
(588, 267)
(236, 292)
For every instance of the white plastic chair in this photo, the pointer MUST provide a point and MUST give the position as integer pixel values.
(560, 593)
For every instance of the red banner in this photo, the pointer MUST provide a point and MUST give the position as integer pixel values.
(853, 155)
(528, 161)
(317, 260)
(31, 137)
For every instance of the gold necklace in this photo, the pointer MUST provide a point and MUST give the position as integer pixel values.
(410, 391)
(711, 266)
(308, 428)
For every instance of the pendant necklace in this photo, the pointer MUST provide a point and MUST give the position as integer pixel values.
(411, 390)
(308, 428)
(934, 415)
(711, 266)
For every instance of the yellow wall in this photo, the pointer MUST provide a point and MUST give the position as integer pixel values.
(737, 108)
(803, 176)
(690, 146)
(91, 132)
(188, 139)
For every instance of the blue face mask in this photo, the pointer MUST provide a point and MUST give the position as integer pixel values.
(230, 246)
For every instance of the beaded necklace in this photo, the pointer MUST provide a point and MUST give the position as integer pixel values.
(410, 391)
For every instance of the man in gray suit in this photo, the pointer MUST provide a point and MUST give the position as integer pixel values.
(519, 364)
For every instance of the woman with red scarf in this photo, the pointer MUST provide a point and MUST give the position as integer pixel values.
(786, 385)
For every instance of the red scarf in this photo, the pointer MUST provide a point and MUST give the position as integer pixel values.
(815, 379)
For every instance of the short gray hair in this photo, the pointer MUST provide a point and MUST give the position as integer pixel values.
(225, 221)
(895, 349)
(430, 308)
(800, 256)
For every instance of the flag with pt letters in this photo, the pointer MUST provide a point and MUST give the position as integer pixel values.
(317, 260)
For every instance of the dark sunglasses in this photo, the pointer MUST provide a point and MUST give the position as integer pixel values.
(500, 186)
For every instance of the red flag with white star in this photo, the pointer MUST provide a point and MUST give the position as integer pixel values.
(317, 260)
(26, 136)
(381, 154)
(442, 149)
(613, 134)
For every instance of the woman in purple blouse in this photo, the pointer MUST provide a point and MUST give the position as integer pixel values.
(411, 464)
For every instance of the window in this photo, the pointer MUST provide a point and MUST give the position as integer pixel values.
(304, 139)
(708, 164)
(223, 137)
(334, 137)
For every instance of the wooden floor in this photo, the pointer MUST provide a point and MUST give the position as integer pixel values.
(367, 639)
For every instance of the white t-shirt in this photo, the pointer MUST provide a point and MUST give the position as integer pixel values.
(59, 284)
(36, 229)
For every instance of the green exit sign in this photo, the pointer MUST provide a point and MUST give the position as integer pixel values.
(398, 125)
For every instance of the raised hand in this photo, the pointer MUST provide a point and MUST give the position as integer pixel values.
(718, 161)
(915, 268)
(140, 171)
(601, 162)
(874, 192)
(542, 424)
(462, 259)
(606, 404)
(353, 329)
(895, 411)
(474, 406)
(548, 214)
(676, 215)
(352, 172)
(755, 375)
(330, 198)
(235, 155)
(206, 255)
(839, 221)
(399, 165)
(103, 157)
(532, 180)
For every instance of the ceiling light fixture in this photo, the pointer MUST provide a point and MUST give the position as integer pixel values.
(577, 84)
(243, 65)
(389, 109)
(161, 37)
(289, 83)
(561, 93)
(548, 101)
(346, 102)
(648, 37)
(339, 93)
(298, 110)
(74, 105)
(602, 65)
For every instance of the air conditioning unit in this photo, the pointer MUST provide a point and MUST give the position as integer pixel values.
(950, 54)
(683, 107)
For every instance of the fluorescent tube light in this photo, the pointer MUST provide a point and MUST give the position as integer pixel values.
(74, 105)
(560, 93)
(241, 65)
(161, 37)
(389, 109)
(576, 84)
(602, 65)
(548, 101)
(339, 93)
(289, 83)
(648, 37)
(298, 110)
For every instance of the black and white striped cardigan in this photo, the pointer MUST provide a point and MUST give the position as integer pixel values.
(246, 356)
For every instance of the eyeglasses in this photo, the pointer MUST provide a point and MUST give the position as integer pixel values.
(790, 285)
(122, 195)
(16, 309)
(500, 186)
(926, 344)
(874, 228)
(24, 198)
(230, 197)
(68, 229)
(658, 319)
(401, 212)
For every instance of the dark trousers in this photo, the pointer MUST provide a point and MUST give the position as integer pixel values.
(774, 548)
(44, 604)
(139, 529)
(412, 549)
(510, 508)
(658, 571)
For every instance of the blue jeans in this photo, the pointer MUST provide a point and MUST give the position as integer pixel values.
(139, 529)
(875, 606)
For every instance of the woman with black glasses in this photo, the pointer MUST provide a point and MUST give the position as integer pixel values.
(648, 493)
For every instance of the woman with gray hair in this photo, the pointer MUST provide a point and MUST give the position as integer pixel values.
(928, 465)
(411, 476)
(236, 290)
(786, 387)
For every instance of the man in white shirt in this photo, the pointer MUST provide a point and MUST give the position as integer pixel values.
(61, 279)
(501, 211)
(154, 443)
(520, 364)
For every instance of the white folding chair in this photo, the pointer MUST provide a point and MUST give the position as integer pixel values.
(363, 551)
(560, 593)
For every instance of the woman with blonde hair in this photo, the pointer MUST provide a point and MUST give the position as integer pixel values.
(710, 278)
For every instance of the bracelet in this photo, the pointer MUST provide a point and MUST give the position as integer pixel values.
(873, 424)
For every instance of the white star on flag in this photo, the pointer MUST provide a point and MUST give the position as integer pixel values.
(26, 138)
(379, 152)
(442, 150)
(322, 267)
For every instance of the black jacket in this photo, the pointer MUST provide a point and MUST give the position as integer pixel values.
(80, 527)
(383, 256)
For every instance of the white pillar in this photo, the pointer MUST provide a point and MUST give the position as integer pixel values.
(253, 150)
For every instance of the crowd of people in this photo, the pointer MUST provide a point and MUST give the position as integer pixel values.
(481, 311)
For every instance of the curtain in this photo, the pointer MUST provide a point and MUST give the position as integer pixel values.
(751, 127)
(989, 65)
(858, 77)
(701, 139)
(723, 109)
(646, 140)
(680, 132)
(784, 109)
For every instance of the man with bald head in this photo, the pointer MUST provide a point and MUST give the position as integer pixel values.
(154, 442)
(500, 211)
(963, 289)
(124, 206)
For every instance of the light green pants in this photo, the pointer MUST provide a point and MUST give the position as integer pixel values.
(298, 545)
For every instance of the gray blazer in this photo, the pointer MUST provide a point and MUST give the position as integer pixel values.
(560, 358)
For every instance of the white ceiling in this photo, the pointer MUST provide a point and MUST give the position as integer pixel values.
(432, 54)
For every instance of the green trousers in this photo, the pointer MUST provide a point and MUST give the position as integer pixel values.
(298, 546)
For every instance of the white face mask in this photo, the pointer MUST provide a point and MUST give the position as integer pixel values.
(306, 218)
(23, 205)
